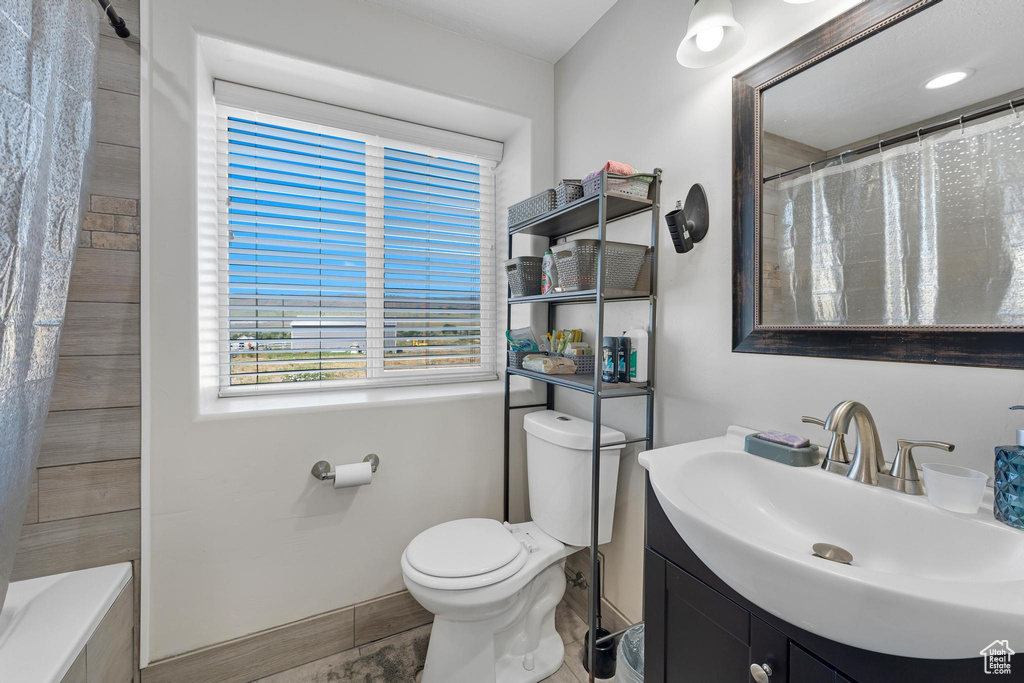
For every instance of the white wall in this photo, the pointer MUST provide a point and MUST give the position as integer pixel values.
(619, 94)
(237, 536)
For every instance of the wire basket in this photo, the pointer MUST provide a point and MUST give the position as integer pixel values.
(524, 275)
(567, 192)
(531, 208)
(577, 264)
(637, 186)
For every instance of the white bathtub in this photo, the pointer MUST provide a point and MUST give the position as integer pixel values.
(46, 622)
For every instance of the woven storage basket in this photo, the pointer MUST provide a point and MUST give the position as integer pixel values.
(567, 192)
(524, 275)
(531, 208)
(577, 264)
(639, 186)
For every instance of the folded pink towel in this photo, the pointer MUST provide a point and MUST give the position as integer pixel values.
(616, 167)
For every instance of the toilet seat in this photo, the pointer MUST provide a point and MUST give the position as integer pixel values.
(464, 554)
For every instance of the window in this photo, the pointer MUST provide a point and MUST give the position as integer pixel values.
(346, 257)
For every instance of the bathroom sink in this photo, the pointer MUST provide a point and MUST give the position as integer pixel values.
(923, 582)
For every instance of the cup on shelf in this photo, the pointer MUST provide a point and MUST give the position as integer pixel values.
(953, 488)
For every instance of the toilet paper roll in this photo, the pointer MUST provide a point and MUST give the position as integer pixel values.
(352, 475)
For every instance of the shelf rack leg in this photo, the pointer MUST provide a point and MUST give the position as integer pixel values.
(508, 400)
(594, 620)
(652, 323)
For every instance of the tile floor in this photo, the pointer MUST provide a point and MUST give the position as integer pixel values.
(397, 659)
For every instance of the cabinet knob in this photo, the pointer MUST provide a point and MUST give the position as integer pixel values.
(761, 673)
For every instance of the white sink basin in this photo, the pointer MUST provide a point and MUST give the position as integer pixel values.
(923, 583)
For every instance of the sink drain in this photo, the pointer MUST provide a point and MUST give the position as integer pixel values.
(832, 553)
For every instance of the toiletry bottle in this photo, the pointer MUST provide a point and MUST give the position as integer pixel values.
(623, 358)
(548, 274)
(1009, 482)
(637, 355)
(609, 359)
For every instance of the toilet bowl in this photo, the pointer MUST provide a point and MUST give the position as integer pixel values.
(493, 587)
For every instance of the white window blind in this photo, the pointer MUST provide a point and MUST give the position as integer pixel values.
(347, 258)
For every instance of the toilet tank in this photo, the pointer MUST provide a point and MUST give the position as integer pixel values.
(558, 464)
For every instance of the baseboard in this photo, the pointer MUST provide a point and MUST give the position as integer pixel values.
(268, 652)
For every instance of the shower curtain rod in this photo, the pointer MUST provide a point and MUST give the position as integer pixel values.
(1010, 105)
(115, 21)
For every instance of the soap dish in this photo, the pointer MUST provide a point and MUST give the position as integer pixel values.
(797, 457)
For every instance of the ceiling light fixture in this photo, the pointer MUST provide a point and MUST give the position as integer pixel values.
(712, 35)
(947, 79)
(798, 2)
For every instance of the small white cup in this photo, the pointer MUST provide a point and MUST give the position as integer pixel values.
(957, 489)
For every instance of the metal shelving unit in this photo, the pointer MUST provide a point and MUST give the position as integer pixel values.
(596, 211)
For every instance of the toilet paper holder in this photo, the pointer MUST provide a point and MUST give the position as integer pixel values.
(322, 471)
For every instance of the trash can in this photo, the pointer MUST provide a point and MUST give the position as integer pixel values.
(631, 656)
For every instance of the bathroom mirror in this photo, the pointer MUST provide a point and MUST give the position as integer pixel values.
(879, 187)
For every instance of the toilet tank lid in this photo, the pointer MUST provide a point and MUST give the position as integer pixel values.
(568, 431)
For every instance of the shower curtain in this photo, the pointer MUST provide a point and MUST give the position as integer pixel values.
(927, 233)
(47, 86)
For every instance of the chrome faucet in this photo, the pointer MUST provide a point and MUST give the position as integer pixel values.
(868, 461)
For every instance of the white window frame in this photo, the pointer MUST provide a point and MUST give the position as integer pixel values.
(371, 129)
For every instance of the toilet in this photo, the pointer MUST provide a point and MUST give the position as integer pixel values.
(493, 587)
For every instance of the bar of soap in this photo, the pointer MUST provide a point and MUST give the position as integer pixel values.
(783, 439)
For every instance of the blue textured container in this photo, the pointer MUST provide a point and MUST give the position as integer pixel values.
(1009, 486)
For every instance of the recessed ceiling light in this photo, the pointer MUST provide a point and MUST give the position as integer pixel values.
(947, 79)
(798, 2)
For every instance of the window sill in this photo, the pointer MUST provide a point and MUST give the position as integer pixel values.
(216, 408)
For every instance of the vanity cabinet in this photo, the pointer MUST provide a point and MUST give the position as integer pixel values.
(698, 630)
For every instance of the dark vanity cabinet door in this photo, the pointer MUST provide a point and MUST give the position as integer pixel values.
(708, 638)
(806, 668)
(769, 646)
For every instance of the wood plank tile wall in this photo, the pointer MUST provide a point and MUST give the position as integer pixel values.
(84, 507)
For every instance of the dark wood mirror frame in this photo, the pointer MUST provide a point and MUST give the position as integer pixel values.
(993, 347)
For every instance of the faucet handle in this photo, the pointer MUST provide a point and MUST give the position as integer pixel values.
(836, 452)
(903, 472)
